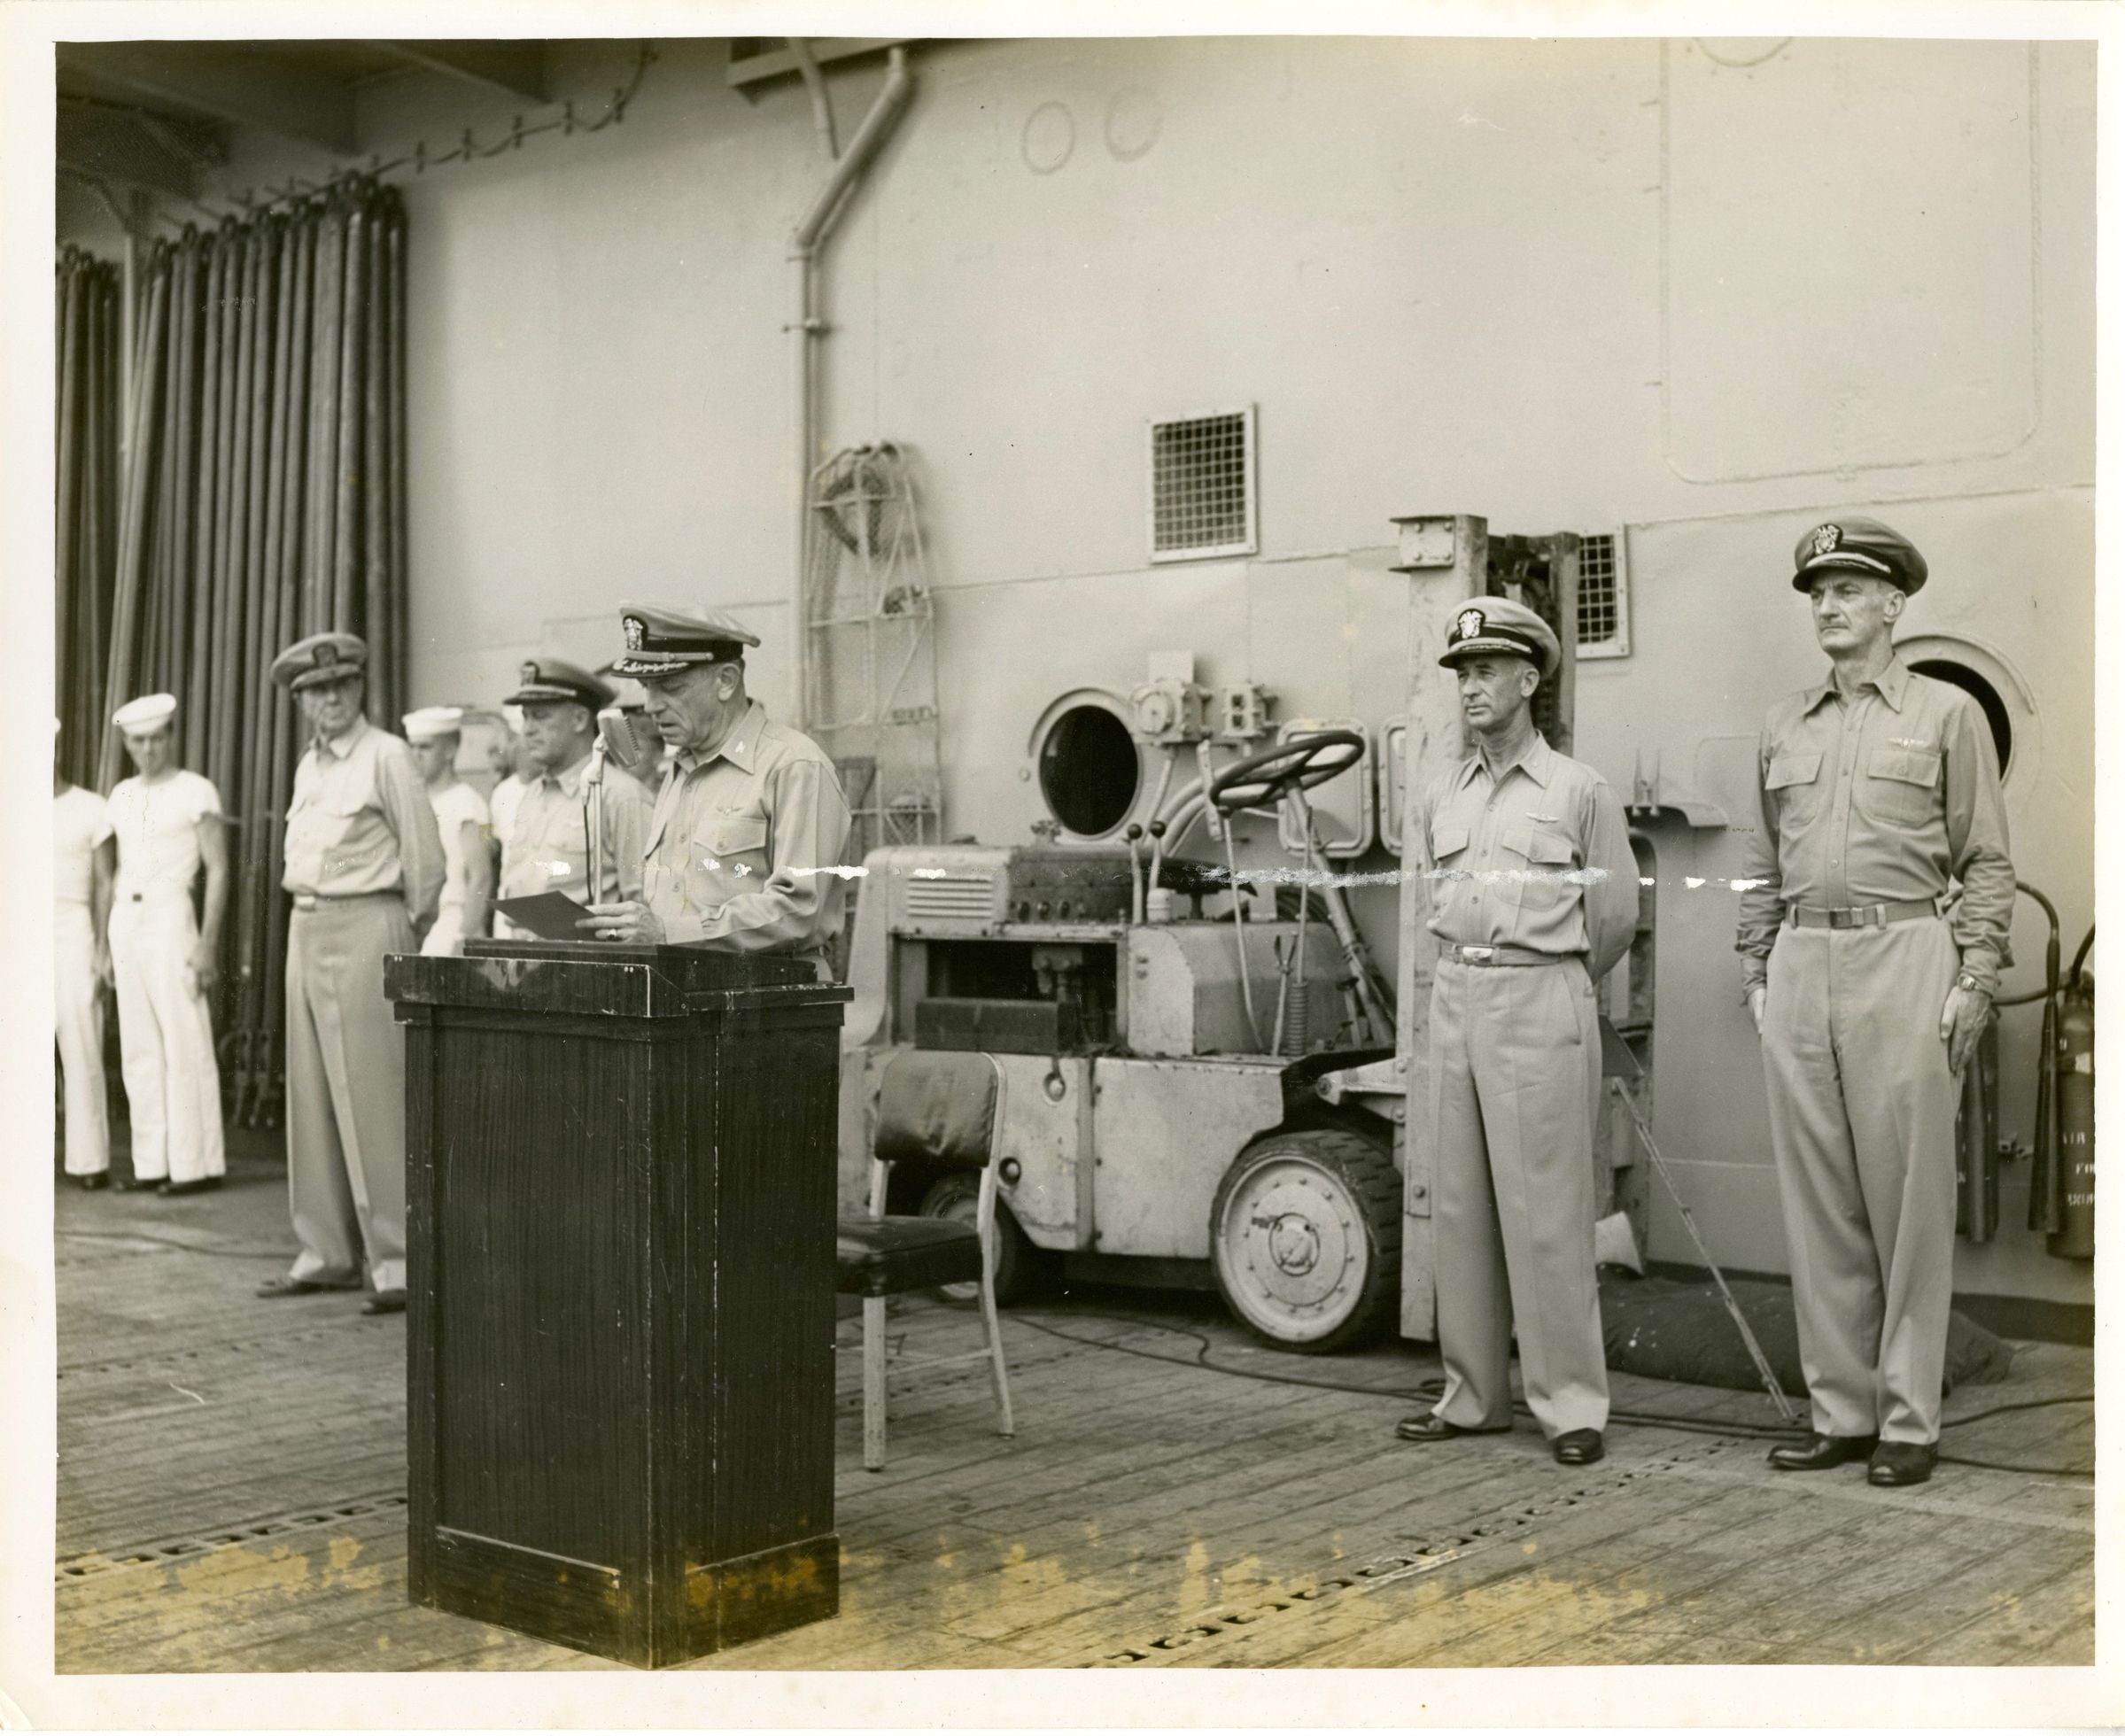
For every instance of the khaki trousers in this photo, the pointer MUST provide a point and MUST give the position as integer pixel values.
(346, 1092)
(1515, 1082)
(80, 1013)
(165, 1039)
(1863, 1126)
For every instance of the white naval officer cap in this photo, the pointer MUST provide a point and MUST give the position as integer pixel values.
(150, 712)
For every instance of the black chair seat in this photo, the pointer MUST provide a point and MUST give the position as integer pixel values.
(882, 1257)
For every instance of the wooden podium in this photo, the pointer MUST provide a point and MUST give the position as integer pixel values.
(620, 1209)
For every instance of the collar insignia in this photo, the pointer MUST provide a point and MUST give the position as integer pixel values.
(1826, 538)
(1468, 624)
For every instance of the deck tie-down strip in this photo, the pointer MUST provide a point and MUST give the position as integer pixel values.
(197, 1352)
(165, 1550)
(1434, 1552)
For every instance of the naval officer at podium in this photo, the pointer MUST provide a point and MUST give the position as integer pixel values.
(749, 821)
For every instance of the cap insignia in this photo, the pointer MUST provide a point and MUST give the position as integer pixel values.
(1468, 624)
(633, 625)
(529, 674)
(326, 654)
(1826, 538)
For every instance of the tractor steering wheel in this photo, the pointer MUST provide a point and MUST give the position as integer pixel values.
(1297, 764)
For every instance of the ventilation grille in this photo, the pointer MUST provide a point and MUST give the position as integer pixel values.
(1604, 623)
(950, 898)
(1202, 485)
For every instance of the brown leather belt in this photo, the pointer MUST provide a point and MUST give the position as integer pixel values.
(1487, 956)
(1864, 915)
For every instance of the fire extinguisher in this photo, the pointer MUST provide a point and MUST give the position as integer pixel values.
(2074, 1234)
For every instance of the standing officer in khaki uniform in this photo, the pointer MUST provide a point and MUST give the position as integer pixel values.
(749, 823)
(1878, 787)
(364, 861)
(1534, 898)
(545, 846)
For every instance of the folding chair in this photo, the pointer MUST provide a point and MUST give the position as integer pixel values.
(945, 1111)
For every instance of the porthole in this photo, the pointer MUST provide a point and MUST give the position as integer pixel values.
(1088, 768)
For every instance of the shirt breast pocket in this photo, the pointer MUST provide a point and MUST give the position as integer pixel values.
(1900, 785)
(1795, 781)
(735, 847)
(352, 844)
(1537, 863)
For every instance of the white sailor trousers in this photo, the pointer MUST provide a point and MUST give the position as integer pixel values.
(80, 1013)
(166, 1038)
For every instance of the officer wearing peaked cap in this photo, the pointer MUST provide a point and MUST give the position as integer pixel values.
(1534, 898)
(363, 864)
(170, 828)
(1877, 787)
(750, 820)
(547, 845)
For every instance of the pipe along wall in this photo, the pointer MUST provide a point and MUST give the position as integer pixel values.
(263, 498)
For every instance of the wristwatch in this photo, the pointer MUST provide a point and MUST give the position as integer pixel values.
(1969, 984)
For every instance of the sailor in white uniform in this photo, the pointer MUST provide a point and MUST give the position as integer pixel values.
(81, 884)
(461, 815)
(169, 826)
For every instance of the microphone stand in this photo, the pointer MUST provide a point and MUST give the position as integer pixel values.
(593, 823)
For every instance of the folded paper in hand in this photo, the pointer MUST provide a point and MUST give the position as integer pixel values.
(552, 916)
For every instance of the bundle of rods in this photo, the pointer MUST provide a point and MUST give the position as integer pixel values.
(263, 498)
(87, 500)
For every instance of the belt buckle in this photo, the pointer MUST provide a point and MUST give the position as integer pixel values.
(1478, 954)
(1843, 918)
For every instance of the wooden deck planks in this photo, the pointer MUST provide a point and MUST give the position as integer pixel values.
(1145, 1496)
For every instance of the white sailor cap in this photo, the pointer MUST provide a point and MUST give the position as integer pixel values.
(150, 711)
(432, 721)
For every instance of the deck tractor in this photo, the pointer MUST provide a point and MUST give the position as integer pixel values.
(1204, 1065)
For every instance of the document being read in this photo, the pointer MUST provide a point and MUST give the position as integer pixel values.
(552, 916)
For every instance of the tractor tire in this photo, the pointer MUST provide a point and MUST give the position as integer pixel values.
(1306, 1235)
(1017, 1259)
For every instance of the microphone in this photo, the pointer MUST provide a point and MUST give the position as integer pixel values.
(629, 739)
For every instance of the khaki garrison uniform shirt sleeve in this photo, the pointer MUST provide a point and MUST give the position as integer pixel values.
(737, 841)
(361, 822)
(1885, 798)
(1539, 859)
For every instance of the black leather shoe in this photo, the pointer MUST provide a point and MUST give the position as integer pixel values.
(1429, 1426)
(1578, 1446)
(1820, 1452)
(284, 1285)
(140, 1183)
(1898, 1464)
(385, 1302)
(204, 1185)
(95, 1183)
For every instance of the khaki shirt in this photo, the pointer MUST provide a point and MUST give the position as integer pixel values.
(1540, 859)
(739, 839)
(361, 822)
(545, 847)
(1882, 798)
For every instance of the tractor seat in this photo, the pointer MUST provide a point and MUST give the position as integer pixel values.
(882, 1257)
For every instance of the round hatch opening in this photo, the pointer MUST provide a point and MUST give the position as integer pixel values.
(1089, 769)
(1961, 675)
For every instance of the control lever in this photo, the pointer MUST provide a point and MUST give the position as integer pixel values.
(1136, 873)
